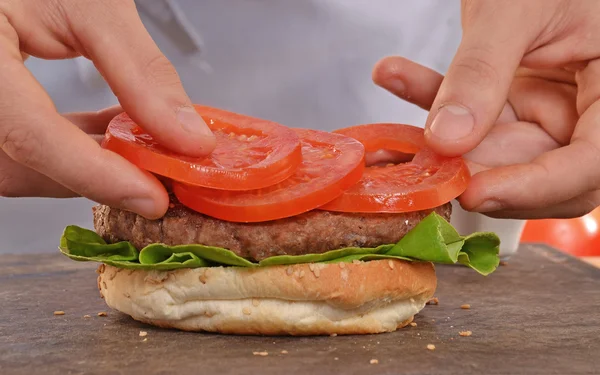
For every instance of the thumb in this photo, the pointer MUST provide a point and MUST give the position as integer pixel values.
(478, 80)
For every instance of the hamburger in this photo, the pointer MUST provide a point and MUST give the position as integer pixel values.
(283, 231)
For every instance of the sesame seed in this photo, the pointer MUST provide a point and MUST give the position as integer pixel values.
(255, 302)
(284, 352)
(289, 271)
(465, 333)
(262, 354)
(333, 334)
(373, 361)
(391, 264)
(59, 312)
(302, 274)
(311, 266)
(317, 272)
(252, 137)
(247, 311)
(335, 358)
(86, 316)
(413, 324)
(342, 264)
(102, 313)
(466, 306)
(143, 333)
(430, 347)
(145, 339)
(356, 261)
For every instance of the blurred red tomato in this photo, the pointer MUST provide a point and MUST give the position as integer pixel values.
(579, 236)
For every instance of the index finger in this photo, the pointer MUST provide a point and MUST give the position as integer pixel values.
(145, 82)
(35, 135)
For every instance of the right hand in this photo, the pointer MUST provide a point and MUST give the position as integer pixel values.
(43, 153)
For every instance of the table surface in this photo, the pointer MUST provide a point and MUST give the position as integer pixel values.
(539, 314)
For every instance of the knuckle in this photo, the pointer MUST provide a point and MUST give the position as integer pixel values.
(474, 68)
(6, 190)
(587, 204)
(7, 180)
(21, 144)
(158, 71)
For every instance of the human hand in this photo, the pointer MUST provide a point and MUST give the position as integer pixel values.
(45, 154)
(521, 101)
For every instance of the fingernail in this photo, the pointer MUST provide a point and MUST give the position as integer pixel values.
(489, 206)
(141, 206)
(452, 122)
(191, 121)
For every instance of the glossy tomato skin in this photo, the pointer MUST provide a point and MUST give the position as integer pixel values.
(425, 182)
(579, 236)
(331, 164)
(250, 153)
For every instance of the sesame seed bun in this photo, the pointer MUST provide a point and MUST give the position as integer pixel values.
(302, 299)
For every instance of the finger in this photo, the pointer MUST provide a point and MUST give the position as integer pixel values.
(588, 83)
(19, 181)
(94, 122)
(34, 135)
(551, 104)
(408, 80)
(144, 81)
(572, 208)
(476, 85)
(554, 177)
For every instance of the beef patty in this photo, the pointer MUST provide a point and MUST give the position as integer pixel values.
(312, 232)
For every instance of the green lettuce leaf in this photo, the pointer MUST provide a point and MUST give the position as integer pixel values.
(432, 240)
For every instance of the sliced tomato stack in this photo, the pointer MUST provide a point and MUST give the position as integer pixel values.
(331, 164)
(261, 171)
(427, 181)
(250, 153)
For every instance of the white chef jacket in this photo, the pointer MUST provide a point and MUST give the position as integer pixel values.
(301, 63)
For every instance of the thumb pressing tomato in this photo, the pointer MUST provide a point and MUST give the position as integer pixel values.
(579, 236)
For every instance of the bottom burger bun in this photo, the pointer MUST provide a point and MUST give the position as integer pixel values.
(301, 299)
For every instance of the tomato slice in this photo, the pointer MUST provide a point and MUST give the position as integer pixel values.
(331, 164)
(425, 182)
(250, 153)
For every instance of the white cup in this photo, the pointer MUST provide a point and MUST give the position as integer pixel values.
(509, 230)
